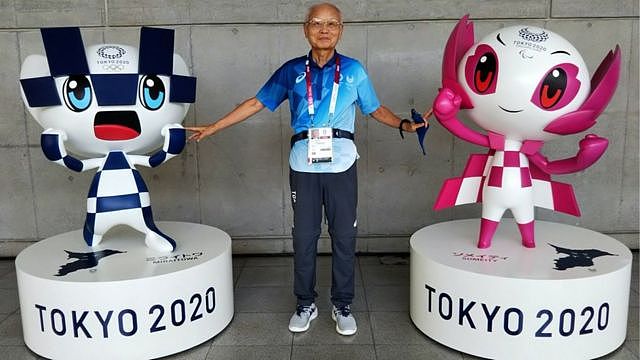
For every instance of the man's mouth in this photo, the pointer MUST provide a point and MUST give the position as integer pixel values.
(510, 111)
(116, 125)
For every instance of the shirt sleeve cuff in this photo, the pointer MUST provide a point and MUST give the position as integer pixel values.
(268, 104)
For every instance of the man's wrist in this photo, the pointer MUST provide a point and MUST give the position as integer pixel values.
(401, 126)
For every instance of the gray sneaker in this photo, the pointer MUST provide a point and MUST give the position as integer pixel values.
(302, 317)
(345, 322)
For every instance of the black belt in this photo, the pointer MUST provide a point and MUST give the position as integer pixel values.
(337, 133)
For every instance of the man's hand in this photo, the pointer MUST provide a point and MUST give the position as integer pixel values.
(420, 119)
(200, 132)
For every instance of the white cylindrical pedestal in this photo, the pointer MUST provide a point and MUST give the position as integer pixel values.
(122, 300)
(565, 299)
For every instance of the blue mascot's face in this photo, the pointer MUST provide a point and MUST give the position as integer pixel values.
(116, 105)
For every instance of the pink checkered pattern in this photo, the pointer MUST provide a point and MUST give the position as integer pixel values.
(490, 167)
(508, 159)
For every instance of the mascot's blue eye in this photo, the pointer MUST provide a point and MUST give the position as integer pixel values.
(151, 92)
(77, 93)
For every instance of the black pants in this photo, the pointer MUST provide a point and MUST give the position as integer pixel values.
(338, 192)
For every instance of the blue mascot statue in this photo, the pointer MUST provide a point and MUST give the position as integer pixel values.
(111, 105)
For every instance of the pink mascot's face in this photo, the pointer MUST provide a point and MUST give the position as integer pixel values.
(519, 79)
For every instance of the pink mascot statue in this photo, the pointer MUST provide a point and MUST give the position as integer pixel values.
(523, 86)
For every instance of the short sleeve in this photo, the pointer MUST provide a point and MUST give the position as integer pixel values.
(367, 98)
(274, 91)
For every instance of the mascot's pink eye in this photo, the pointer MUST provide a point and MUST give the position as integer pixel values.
(481, 70)
(485, 72)
(558, 87)
(553, 86)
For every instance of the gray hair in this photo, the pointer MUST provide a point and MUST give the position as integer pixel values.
(315, 6)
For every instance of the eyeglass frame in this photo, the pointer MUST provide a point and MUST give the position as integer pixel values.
(317, 24)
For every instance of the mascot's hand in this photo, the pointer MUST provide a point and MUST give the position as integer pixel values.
(591, 148)
(52, 143)
(175, 137)
(446, 105)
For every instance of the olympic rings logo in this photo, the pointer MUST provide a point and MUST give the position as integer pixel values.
(113, 67)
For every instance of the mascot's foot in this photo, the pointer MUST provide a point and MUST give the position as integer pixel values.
(97, 239)
(526, 231)
(484, 244)
(92, 239)
(487, 229)
(158, 242)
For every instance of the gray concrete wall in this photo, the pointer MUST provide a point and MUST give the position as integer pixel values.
(238, 180)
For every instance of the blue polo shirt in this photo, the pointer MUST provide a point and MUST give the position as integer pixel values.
(288, 82)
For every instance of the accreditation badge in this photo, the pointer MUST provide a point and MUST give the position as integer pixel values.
(320, 145)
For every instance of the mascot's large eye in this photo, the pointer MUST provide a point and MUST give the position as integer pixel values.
(151, 92)
(553, 86)
(481, 70)
(557, 88)
(77, 93)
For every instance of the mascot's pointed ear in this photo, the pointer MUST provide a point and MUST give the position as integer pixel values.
(156, 51)
(65, 51)
(603, 86)
(38, 86)
(460, 40)
(604, 82)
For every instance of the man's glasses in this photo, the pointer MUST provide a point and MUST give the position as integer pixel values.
(319, 24)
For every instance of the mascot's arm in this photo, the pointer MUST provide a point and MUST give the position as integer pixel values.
(175, 138)
(591, 149)
(445, 108)
(452, 97)
(52, 143)
(603, 85)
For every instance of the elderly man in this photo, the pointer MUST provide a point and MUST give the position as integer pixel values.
(323, 88)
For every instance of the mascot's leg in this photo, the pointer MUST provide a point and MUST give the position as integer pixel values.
(526, 231)
(97, 224)
(154, 238)
(89, 230)
(491, 215)
(487, 229)
(524, 216)
(141, 219)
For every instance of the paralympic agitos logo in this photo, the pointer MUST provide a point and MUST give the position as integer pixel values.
(82, 261)
(576, 257)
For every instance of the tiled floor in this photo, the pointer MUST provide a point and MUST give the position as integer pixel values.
(263, 305)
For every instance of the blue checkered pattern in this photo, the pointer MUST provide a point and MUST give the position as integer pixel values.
(66, 56)
(50, 143)
(118, 187)
(118, 194)
(171, 148)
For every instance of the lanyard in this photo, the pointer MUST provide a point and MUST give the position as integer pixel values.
(334, 90)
